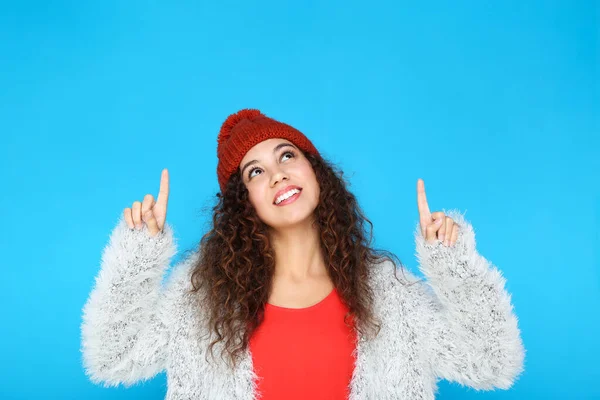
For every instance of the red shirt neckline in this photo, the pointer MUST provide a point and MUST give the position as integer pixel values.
(314, 306)
(304, 353)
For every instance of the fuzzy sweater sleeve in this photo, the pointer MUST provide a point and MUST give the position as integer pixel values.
(124, 333)
(471, 331)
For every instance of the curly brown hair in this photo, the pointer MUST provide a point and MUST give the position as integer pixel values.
(237, 261)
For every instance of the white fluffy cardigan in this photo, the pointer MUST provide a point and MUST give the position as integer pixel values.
(457, 324)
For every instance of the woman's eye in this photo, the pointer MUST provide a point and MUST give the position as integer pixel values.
(288, 152)
(251, 171)
(258, 169)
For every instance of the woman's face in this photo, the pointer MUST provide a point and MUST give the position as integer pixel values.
(271, 169)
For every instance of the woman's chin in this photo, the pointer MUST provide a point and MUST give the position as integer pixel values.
(295, 218)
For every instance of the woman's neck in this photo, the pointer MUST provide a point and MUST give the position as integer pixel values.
(298, 255)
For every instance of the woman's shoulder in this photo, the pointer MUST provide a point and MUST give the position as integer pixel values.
(394, 283)
(178, 284)
(387, 274)
(185, 310)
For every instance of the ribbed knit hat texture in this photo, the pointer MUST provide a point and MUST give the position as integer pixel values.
(243, 130)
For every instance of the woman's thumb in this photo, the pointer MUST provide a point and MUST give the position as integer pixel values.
(150, 220)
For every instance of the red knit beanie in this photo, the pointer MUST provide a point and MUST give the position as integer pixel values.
(242, 131)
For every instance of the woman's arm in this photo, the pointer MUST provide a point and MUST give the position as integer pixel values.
(124, 333)
(471, 330)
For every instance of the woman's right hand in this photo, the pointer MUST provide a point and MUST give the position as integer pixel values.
(150, 212)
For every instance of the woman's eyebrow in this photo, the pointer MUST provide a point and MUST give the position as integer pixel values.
(279, 146)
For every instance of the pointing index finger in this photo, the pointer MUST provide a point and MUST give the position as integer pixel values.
(163, 192)
(422, 200)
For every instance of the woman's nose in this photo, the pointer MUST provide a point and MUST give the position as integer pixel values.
(278, 176)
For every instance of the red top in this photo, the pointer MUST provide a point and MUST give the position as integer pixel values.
(304, 353)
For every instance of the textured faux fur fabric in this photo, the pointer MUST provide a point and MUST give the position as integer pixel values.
(458, 324)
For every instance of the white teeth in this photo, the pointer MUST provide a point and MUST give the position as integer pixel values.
(286, 195)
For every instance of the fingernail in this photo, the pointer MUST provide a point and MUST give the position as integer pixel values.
(442, 236)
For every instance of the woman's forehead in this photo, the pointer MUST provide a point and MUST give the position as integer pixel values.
(265, 147)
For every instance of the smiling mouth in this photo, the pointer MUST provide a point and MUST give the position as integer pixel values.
(290, 199)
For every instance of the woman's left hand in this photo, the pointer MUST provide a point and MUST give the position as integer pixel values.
(435, 225)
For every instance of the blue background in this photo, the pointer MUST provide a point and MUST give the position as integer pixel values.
(495, 106)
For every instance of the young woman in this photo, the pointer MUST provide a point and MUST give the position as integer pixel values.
(284, 298)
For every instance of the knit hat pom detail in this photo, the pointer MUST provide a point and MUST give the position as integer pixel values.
(233, 120)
